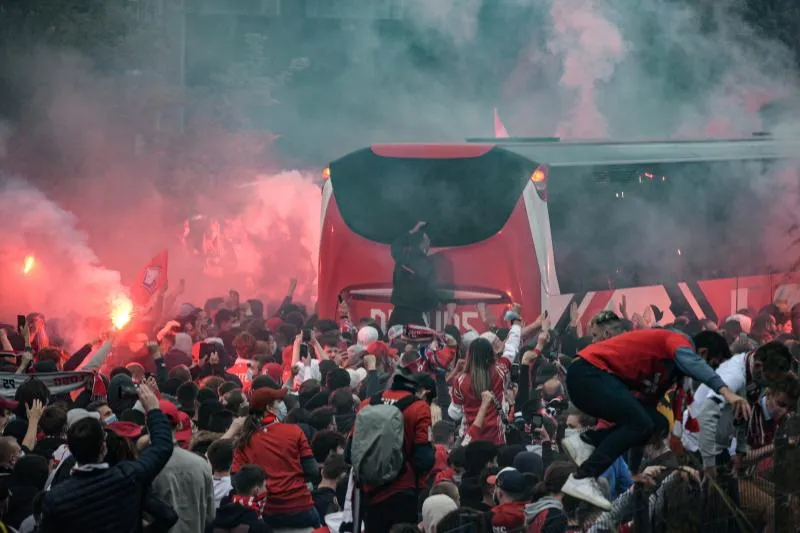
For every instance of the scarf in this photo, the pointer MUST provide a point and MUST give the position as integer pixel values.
(752, 389)
(759, 430)
(90, 468)
(269, 419)
(254, 503)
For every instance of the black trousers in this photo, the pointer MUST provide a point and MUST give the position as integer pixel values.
(602, 395)
(405, 316)
(401, 508)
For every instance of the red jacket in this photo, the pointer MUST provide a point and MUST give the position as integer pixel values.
(643, 359)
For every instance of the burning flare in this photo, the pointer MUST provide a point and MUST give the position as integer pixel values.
(28, 266)
(121, 311)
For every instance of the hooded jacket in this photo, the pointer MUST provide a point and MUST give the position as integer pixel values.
(414, 277)
(545, 515)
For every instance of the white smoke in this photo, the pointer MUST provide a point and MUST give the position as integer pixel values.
(590, 47)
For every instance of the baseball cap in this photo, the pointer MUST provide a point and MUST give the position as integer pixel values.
(127, 430)
(529, 463)
(170, 411)
(274, 371)
(509, 479)
(264, 396)
(5, 403)
(179, 420)
(74, 415)
(184, 431)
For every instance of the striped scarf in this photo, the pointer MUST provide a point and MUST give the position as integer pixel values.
(254, 503)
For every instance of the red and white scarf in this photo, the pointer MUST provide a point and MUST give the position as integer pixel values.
(254, 503)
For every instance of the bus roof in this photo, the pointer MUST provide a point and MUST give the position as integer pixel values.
(582, 153)
(556, 153)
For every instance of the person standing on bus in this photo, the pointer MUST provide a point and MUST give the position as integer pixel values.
(414, 278)
(621, 380)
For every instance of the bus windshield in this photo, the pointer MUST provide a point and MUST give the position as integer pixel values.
(464, 199)
(628, 226)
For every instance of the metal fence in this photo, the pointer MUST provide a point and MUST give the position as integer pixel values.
(787, 477)
(763, 496)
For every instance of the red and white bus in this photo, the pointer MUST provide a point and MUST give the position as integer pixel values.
(689, 226)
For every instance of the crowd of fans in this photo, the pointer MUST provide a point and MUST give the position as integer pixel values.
(236, 417)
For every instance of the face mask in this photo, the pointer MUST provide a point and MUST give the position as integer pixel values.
(281, 411)
(110, 420)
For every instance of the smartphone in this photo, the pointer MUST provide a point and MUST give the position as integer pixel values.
(306, 335)
(515, 373)
(206, 349)
(21, 323)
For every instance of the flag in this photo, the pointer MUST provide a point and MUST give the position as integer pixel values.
(151, 279)
(98, 387)
(499, 129)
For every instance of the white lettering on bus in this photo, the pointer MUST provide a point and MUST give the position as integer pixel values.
(461, 320)
(378, 316)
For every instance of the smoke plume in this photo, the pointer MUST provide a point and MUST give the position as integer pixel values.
(65, 278)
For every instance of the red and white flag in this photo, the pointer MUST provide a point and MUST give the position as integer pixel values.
(151, 280)
(500, 130)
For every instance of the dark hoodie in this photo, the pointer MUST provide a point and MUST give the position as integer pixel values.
(414, 278)
(234, 518)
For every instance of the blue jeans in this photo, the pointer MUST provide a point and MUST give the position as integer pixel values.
(308, 518)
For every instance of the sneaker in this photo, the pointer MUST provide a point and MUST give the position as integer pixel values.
(586, 489)
(577, 449)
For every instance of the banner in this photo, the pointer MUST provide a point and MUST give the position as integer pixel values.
(500, 130)
(151, 279)
(56, 382)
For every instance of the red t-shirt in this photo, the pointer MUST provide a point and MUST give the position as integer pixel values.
(417, 418)
(278, 449)
(464, 396)
(644, 359)
(241, 369)
(508, 517)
